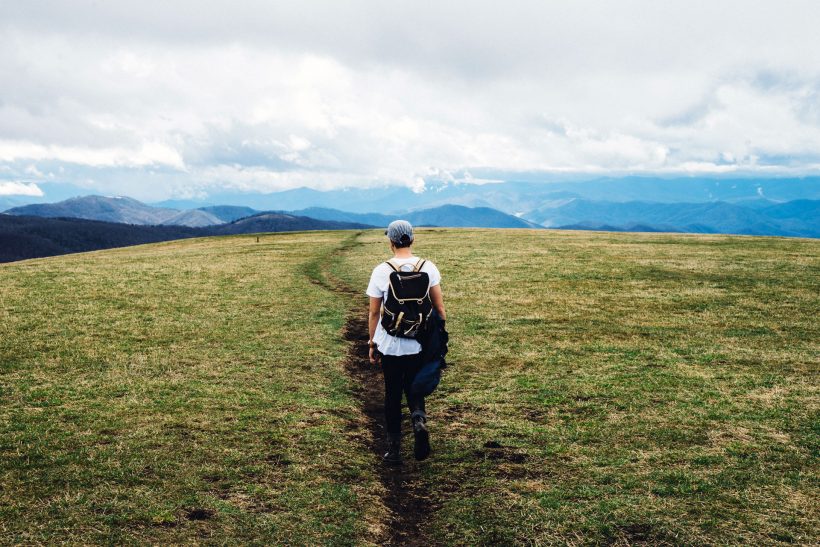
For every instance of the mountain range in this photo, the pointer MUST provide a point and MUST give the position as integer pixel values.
(749, 215)
(519, 197)
(118, 209)
(131, 211)
(793, 218)
(454, 216)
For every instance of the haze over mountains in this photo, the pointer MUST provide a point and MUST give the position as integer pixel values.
(117, 209)
(755, 206)
(519, 197)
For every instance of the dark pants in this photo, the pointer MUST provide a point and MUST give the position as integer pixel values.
(399, 372)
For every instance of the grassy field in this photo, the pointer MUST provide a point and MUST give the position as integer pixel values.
(178, 392)
(604, 388)
(624, 387)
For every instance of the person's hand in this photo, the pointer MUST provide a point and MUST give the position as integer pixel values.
(375, 356)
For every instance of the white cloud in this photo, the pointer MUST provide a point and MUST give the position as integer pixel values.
(149, 153)
(277, 95)
(34, 172)
(20, 189)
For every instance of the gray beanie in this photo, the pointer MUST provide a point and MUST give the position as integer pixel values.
(400, 231)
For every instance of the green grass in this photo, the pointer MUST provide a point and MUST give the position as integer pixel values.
(184, 391)
(641, 387)
(604, 388)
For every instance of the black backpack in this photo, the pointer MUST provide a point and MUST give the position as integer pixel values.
(407, 308)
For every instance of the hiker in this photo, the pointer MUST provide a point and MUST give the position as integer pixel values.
(400, 355)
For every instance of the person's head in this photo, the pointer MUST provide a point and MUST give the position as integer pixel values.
(400, 234)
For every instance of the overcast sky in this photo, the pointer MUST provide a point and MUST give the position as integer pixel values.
(152, 101)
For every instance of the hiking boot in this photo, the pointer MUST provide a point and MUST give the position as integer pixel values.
(421, 448)
(393, 454)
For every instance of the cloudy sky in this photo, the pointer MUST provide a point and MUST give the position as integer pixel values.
(152, 101)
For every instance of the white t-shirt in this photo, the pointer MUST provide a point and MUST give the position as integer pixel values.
(378, 287)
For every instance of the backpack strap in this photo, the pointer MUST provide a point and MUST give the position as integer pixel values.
(419, 264)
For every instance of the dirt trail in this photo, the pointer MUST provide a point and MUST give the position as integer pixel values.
(406, 496)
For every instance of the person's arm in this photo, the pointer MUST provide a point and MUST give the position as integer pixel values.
(438, 301)
(372, 321)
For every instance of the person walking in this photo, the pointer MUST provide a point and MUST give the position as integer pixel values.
(400, 357)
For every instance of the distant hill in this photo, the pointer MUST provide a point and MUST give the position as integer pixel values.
(281, 222)
(8, 202)
(109, 209)
(130, 211)
(799, 209)
(324, 213)
(467, 217)
(229, 213)
(23, 237)
(445, 216)
(193, 218)
(799, 218)
(609, 228)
